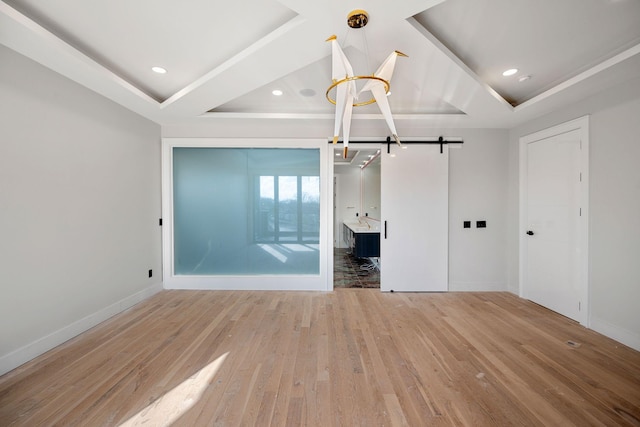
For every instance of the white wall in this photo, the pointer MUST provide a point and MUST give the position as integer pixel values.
(80, 202)
(478, 188)
(347, 199)
(371, 192)
(614, 207)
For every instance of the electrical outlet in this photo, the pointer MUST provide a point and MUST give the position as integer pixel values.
(150, 273)
(466, 224)
(481, 224)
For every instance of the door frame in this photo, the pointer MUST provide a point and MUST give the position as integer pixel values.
(299, 282)
(582, 125)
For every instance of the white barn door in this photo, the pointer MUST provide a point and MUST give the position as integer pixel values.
(415, 225)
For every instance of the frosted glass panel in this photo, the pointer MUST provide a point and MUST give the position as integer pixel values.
(288, 208)
(246, 211)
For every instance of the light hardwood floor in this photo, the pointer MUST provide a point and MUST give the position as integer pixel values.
(353, 357)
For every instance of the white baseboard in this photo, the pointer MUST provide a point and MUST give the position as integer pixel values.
(477, 287)
(30, 351)
(626, 337)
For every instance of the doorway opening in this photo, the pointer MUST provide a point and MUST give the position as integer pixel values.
(357, 216)
(409, 216)
(350, 271)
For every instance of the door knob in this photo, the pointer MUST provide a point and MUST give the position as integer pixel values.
(530, 233)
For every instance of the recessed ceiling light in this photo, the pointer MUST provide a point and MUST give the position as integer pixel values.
(523, 78)
(277, 92)
(159, 70)
(510, 72)
(338, 154)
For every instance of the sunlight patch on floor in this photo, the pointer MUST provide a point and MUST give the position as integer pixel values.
(175, 403)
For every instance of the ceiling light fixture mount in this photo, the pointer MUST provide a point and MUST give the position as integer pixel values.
(344, 83)
(357, 18)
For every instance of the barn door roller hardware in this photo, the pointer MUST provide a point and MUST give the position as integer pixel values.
(440, 141)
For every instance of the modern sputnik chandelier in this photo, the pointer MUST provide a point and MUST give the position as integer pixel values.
(344, 82)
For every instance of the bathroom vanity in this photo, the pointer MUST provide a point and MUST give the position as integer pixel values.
(362, 238)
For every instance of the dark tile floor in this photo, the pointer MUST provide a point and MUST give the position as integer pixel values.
(352, 272)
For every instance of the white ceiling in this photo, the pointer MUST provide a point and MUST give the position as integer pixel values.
(225, 58)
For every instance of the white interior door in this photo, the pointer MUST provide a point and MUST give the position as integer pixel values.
(415, 208)
(553, 223)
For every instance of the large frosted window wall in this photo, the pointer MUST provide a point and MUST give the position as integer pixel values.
(246, 211)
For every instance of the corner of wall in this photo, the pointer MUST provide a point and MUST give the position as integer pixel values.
(624, 336)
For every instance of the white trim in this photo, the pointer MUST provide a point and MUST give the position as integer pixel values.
(477, 287)
(329, 116)
(599, 68)
(441, 47)
(329, 166)
(30, 351)
(626, 337)
(581, 124)
(322, 281)
(239, 57)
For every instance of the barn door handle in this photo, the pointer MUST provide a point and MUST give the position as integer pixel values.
(530, 233)
(385, 229)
